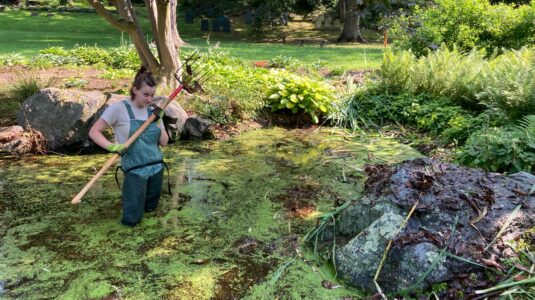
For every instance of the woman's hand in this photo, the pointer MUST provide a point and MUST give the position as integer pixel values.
(117, 148)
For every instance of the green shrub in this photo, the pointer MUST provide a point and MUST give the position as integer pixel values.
(218, 109)
(502, 149)
(91, 55)
(296, 93)
(217, 56)
(117, 74)
(53, 60)
(55, 51)
(319, 63)
(283, 62)
(12, 59)
(337, 71)
(237, 89)
(125, 57)
(467, 24)
(74, 82)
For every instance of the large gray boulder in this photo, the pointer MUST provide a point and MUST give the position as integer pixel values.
(63, 117)
(460, 211)
(175, 118)
(197, 128)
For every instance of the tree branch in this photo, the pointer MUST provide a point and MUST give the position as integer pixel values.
(106, 14)
(127, 11)
(153, 16)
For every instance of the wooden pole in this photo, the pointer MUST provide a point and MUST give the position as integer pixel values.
(78, 198)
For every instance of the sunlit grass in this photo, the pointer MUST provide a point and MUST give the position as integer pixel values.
(26, 34)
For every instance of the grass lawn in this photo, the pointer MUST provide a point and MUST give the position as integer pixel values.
(347, 57)
(26, 34)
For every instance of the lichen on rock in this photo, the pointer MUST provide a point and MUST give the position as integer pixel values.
(458, 210)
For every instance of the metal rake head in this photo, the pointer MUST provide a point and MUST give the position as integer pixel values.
(193, 72)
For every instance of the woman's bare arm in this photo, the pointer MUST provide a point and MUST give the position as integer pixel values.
(164, 138)
(95, 133)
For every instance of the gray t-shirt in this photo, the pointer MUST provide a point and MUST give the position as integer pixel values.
(116, 115)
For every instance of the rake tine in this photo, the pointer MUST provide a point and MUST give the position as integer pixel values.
(179, 69)
(194, 57)
(195, 52)
(191, 78)
(191, 68)
(194, 83)
(203, 75)
(191, 62)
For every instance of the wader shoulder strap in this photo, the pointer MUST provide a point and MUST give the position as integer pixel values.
(129, 109)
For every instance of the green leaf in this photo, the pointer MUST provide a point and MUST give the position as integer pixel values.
(274, 96)
(289, 105)
(293, 98)
(315, 119)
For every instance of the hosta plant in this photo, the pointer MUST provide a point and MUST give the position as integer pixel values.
(297, 94)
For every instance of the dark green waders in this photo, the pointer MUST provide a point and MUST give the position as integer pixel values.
(143, 168)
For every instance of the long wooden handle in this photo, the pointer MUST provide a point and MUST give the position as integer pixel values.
(78, 198)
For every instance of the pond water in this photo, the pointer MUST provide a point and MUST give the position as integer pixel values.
(232, 228)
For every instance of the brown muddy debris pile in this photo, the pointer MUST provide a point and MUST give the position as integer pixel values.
(458, 214)
(15, 141)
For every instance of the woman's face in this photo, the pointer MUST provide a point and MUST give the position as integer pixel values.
(144, 95)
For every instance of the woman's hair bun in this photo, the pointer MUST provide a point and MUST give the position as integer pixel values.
(143, 70)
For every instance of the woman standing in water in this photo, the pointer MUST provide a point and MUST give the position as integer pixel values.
(142, 162)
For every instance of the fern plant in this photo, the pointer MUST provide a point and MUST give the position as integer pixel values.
(508, 83)
(504, 149)
(527, 124)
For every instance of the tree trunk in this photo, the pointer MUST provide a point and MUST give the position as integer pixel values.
(341, 10)
(351, 32)
(176, 37)
(162, 16)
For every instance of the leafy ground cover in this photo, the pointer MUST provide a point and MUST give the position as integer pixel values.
(458, 97)
(232, 228)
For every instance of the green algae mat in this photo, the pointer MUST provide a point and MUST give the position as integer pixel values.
(231, 229)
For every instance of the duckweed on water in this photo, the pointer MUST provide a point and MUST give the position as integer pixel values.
(238, 213)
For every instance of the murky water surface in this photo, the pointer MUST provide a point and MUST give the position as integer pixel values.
(232, 228)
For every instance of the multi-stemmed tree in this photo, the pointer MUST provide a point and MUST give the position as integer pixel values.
(162, 15)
